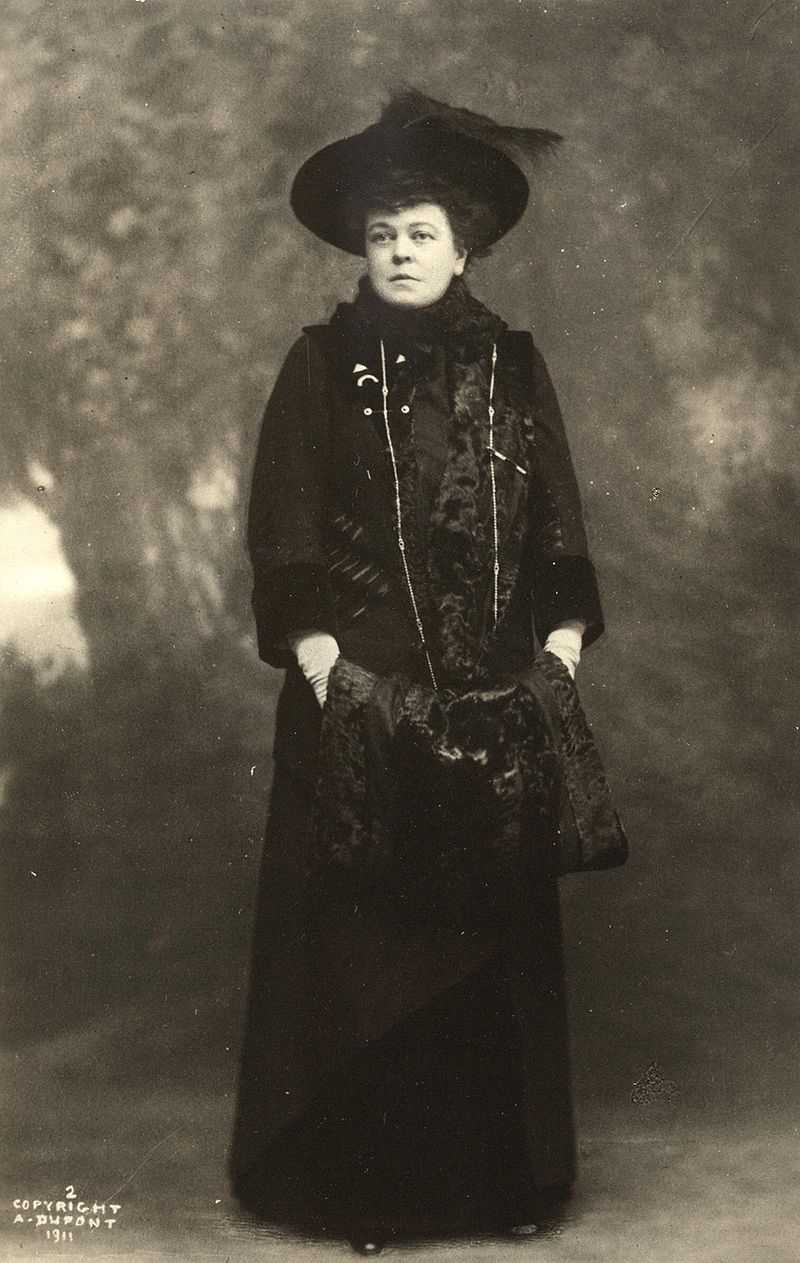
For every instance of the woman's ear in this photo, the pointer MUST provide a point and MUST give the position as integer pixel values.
(461, 261)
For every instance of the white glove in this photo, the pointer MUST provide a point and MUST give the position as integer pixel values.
(565, 643)
(316, 653)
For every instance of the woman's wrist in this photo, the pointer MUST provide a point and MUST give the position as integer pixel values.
(316, 652)
(566, 642)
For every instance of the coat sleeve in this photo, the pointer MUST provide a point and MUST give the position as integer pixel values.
(562, 574)
(288, 508)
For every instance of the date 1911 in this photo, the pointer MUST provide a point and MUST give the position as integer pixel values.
(62, 1220)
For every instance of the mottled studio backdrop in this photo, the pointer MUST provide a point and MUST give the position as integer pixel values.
(152, 280)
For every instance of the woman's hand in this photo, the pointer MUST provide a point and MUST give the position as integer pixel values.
(565, 643)
(316, 653)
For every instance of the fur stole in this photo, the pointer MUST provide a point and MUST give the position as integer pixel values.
(451, 557)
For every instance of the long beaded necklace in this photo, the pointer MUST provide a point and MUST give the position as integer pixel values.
(401, 543)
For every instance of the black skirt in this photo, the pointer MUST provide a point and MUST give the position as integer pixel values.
(424, 1137)
(396, 1084)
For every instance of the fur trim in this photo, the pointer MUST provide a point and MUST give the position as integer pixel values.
(461, 549)
(458, 319)
(450, 558)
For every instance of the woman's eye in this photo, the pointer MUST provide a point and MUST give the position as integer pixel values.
(422, 236)
(378, 237)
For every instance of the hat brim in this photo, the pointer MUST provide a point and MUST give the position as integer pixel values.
(328, 183)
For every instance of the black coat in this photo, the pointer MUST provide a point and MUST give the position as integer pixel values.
(327, 979)
(322, 476)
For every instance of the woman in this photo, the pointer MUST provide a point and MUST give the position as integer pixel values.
(414, 512)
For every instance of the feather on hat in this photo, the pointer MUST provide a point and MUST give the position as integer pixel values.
(410, 108)
(417, 133)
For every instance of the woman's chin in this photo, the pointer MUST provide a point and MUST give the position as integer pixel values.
(407, 299)
(409, 295)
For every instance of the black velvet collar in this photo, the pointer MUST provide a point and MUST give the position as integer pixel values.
(458, 321)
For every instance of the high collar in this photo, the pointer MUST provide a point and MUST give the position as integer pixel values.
(457, 321)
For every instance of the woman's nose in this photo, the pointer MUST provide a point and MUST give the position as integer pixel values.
(401, 253)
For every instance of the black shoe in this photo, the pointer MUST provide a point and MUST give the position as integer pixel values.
(549, 1212)
(544, 1226)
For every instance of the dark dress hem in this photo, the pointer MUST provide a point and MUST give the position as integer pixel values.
(424, 1136)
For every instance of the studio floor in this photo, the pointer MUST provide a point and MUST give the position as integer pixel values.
(654, 1188)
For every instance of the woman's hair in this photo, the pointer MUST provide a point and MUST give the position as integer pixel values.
(472, 223)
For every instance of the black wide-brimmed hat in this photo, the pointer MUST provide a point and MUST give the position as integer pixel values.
(416, 134)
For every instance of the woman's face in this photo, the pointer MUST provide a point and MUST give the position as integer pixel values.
(411, 254)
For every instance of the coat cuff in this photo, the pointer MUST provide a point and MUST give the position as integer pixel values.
(565, 587)
(291, 599)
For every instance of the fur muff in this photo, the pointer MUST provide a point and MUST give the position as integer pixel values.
(435, 807)
(599, 839)
(440, 807)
